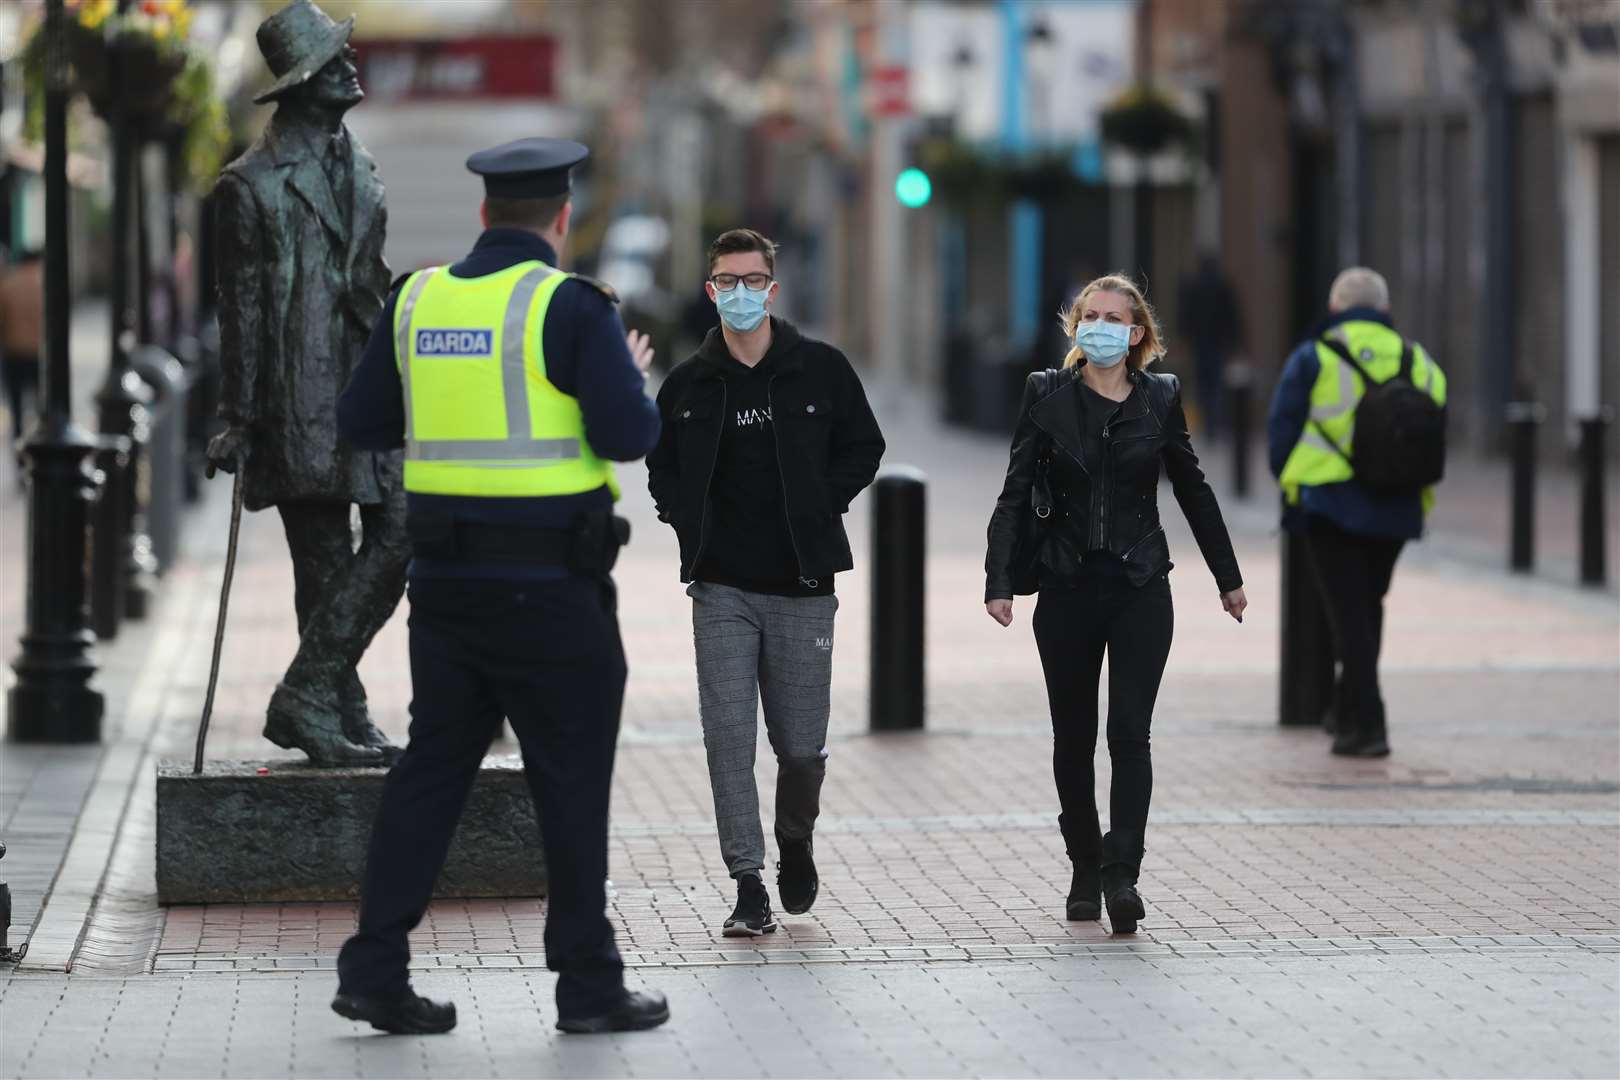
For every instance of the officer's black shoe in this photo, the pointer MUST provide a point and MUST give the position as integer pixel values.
(411, 1014)
(752, 915)
(638, 1010)
(1358, 743)
(1085, 894)
(796, 880)
(1125, 906)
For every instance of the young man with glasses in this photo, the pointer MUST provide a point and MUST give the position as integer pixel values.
(767, 437)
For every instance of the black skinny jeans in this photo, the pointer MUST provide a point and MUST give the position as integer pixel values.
(1073, 629)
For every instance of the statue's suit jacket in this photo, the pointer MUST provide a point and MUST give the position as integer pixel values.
(301, 281)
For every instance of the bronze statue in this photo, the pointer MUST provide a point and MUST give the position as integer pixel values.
(300, 222)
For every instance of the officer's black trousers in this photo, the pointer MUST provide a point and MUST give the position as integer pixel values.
(1353, 572)
(547, 656)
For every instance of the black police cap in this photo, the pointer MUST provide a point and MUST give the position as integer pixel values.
(527, 168)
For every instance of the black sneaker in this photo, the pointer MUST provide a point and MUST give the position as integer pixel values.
(638, 1010)
(796, 879)
(752, 915)
(411, 1014)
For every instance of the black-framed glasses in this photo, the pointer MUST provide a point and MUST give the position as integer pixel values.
(728, 282)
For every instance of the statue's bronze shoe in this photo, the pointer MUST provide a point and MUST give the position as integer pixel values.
(298, 720)
(358, 727)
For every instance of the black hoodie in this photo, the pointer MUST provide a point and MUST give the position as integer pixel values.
(800, 418)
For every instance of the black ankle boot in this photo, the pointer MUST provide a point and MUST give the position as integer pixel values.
(1119, 893)
(1085, 894)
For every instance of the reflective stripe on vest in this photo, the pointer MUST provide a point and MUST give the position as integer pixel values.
(1316, 459)
(481, 418)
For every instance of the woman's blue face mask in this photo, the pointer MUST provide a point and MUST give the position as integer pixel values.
(1104, 343)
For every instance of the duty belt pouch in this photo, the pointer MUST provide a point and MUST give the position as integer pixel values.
(597, 539)
(433, 535)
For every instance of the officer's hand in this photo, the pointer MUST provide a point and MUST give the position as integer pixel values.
(1000, 610)
(641, 350)
(1234, 602)
(228, 450)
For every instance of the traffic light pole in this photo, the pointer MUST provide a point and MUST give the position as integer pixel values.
(52, 700)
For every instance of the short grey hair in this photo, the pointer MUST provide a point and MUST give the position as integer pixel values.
(1356, 287)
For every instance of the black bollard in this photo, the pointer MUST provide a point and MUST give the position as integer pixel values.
(1593, 430)
(1523, 418)
(107, 537)
(899, 553)
(1240, 392)
(1306, 662)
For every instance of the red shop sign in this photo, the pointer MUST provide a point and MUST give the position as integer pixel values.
(462, 68)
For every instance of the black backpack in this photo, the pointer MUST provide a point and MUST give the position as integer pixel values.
(1399, 445)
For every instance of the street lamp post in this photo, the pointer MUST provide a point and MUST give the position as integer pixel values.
(52, 700)
(124, 398)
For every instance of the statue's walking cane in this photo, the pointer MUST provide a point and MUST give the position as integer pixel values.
(224, 603)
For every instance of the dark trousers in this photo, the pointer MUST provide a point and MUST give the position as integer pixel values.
(547, 657)
(21, 376)
(343, 596)
(1353, 573)
(1073, 629)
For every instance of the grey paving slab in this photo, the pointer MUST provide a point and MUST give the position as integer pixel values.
(1482, 1014)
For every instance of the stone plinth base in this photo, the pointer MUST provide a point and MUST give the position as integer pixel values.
(297, 832)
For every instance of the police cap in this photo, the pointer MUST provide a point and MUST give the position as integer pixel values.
(527, 168)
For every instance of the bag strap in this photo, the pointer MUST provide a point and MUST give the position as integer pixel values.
(1342, 351)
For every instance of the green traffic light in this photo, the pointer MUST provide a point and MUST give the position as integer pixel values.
(913, 188)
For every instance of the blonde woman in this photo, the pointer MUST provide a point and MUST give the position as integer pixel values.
(1078, 522)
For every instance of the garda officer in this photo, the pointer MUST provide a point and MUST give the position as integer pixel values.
(1354, 534)
(511, 385)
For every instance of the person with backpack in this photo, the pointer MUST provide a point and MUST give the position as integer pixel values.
(1078, 522)
(1357, 441)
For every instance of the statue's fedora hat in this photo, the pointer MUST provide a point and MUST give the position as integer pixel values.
(298, 41)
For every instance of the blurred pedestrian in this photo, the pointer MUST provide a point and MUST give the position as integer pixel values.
(22, 322)
(767, 438)
(1078, 522)
(511, 386)
(1355, 518)
(1212, 321)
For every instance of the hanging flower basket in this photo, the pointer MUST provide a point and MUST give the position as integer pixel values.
(1144, 121)
(165, 88)
(148, 43)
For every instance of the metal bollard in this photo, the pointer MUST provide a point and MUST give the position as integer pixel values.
(899, 553)
(8, 955)
(1523, 418)
(165, 450)
(1593, 429)
(1240, 394)
(107, 524)
(1306, 668)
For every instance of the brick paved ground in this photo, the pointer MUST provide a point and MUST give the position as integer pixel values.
(1475, 874)
(1471, 1014)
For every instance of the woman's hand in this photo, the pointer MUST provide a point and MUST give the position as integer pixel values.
(1000, 610)
(1234, 602)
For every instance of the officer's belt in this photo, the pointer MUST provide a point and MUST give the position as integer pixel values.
(592, 544)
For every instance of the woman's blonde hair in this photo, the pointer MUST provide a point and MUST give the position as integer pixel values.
(1144, 352)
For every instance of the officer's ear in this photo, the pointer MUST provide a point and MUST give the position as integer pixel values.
(565, 217)
(483, 213)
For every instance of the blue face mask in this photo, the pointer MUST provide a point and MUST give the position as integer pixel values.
(742, 308)
(1104, 343)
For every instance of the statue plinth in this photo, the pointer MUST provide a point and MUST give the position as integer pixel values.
(252, 831)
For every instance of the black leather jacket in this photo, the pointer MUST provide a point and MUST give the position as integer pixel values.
(1057, 503)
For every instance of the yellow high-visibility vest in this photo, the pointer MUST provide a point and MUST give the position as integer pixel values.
(1338, 388)
(481, 418)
